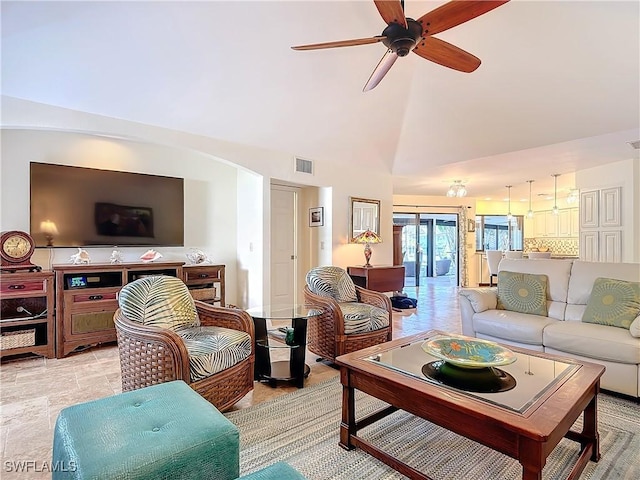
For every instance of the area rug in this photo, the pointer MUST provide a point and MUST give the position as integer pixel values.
(302, 429)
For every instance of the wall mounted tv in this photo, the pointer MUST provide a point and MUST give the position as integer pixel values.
(76, 206)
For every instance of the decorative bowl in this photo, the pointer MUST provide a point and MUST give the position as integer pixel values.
(468, 352)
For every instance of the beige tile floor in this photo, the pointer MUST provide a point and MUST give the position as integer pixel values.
(34, 390)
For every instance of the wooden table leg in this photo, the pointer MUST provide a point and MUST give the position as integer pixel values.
(348, 424)
(590, 427)
(531, 458)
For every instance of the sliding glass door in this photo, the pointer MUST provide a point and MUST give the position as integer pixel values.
(429, 246)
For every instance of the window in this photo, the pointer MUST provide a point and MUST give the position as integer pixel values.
(496, 232)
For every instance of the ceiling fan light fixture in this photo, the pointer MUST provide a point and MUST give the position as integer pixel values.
(402, 40)
(403, 35)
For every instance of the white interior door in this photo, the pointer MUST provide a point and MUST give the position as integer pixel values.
(283, 245)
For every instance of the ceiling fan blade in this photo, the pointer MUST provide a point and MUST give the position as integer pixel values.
(447, 55)
(341, 43)
(385, 64)
(391, 11)
(454, 13)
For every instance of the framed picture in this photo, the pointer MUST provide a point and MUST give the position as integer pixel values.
(316, 217)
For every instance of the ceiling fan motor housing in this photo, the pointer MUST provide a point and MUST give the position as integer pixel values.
(401, 40)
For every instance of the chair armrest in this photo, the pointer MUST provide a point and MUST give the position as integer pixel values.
(376, 299)
(481, 299)
(236, 319)
(146, 349)
(331, 313)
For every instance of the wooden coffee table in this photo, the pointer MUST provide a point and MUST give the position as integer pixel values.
(526, 422)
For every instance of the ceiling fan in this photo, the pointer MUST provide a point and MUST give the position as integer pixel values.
(403, 35)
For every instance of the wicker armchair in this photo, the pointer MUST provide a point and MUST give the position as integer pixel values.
(329, 335)
(173, 345)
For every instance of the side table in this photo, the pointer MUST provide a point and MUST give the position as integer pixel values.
(380, 279)
(295, 370)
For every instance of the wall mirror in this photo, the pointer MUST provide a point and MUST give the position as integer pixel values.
(365, 214)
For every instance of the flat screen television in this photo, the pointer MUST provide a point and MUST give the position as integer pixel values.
(77, 206)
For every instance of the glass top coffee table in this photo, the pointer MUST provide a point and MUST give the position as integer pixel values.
(524, 417)
(292, 336)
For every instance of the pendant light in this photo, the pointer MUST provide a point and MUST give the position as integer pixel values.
(555, 193)
(530, 212)
(509, 216)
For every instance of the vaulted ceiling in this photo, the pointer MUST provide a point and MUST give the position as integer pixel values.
(558, 89)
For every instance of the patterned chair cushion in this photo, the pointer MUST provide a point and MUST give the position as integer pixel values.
(332, 282)
(159, 301)
(362, 317)
(213, 349)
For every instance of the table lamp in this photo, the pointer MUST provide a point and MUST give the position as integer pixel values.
(49, 229)
(367, 237)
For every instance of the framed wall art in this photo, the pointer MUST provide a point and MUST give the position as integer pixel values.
(316, 217)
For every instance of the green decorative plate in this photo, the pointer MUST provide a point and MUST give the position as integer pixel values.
(468, 352)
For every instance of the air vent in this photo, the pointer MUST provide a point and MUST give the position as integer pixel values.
(304, 166)
(635, 145)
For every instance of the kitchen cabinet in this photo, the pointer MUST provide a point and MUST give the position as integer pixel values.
(564, 224)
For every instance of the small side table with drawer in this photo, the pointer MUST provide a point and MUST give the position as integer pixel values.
(206, 282)
(26, 314)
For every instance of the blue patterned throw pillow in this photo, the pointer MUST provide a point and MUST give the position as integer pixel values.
(613, 302)
(523, 292)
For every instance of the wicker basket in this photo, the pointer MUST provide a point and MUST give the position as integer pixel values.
(19, 338)
(203, 293)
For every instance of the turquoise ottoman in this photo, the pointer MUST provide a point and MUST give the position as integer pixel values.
(166, 431)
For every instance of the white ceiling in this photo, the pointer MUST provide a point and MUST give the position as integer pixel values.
(558, 89)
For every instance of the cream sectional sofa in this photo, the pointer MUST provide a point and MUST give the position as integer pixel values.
(562, 332)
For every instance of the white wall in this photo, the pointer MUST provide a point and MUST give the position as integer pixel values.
(625, 174)
(209, 189)
(338, 182)
(249, 245)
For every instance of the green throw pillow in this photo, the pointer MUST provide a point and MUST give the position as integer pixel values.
(613, 302)
(522, 292)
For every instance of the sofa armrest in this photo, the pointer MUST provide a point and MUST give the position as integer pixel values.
(481, 299)
(634, 329)
(475, 300)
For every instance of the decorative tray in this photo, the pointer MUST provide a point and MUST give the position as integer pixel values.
(468, 352)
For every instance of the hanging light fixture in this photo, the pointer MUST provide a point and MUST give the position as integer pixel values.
(573, 196)
(555, 193)
(530, 212)
(457, 189)
(509, 216)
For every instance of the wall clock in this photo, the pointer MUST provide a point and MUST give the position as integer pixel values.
(16, 249)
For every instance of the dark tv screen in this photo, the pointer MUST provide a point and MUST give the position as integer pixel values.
(77, 206)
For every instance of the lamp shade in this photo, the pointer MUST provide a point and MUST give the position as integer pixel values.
(367, 237)
(49, 227)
